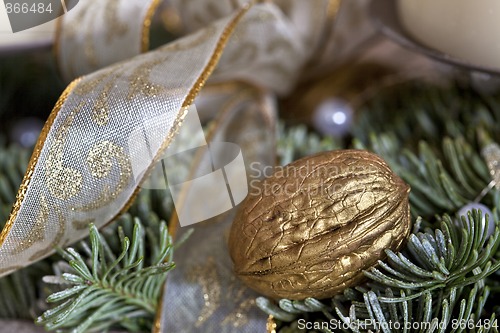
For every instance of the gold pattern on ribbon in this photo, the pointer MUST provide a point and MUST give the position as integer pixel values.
(140, 82)
(238, 317)
(101, 110)
(100, 163)
(206, 276)
(37, 233)
(34, 160)
(57, 239)
(62, 182)
(90, 85)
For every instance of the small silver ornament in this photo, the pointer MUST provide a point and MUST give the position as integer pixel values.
(25, 132)
(333, 117)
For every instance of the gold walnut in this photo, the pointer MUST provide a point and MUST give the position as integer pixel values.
(311, 228)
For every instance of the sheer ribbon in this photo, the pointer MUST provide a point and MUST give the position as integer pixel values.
(244, 53)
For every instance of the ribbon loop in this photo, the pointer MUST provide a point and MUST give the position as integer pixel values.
(202, 294)
(68, 180)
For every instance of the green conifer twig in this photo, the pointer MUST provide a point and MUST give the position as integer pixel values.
(111, 288)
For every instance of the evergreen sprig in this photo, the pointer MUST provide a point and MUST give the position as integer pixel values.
(111, 288)
(432, 137)
(23, 292)
(419, 111)
(442, 179)
(449, 256)
(438, 281)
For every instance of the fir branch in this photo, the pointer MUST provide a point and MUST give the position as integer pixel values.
(439, 184)
(296, 142)
(23, 292)
(432, 137)
(438, 280)
(13, 162)
(429, 137)
(416, 111)
(406, 126)
(111, 287)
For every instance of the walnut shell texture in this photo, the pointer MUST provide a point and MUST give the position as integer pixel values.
(311, 228)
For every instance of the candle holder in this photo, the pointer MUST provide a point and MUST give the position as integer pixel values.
(385, 17)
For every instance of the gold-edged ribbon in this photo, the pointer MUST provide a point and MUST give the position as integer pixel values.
(81, 170)
(203, 295)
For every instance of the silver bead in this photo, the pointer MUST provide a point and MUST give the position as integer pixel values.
(25, 132)
(333, 117)
(485, 211)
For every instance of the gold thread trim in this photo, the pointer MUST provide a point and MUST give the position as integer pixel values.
(21, 193)
(191, 96)
(200, 82)
(214, 58)
(146, 26)
(197, 87)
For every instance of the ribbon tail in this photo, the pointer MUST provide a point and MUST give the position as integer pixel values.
(202, 294)
(89, 161)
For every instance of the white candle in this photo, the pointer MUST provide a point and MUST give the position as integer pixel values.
(466, 29)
